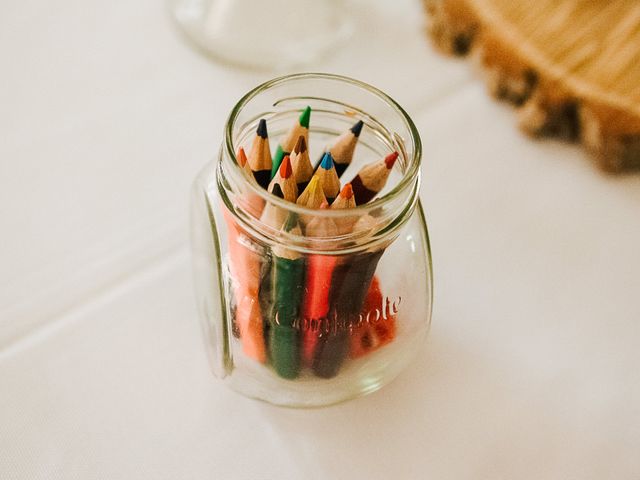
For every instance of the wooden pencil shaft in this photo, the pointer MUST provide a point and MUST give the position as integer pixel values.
(259, 158)
(301, 164)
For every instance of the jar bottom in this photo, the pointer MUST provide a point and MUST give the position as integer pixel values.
(357, 378)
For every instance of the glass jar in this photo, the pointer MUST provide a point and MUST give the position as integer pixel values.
(241, 32)
(374, 275)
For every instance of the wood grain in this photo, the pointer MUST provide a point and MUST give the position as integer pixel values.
(571, 67)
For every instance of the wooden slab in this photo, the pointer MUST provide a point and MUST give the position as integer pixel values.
(571, 67)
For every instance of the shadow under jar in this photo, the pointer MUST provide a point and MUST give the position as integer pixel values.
(267, 338)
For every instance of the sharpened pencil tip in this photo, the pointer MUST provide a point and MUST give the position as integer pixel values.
(305, 116)
(390, 160)
(313, 184)
(327, 161)
(285, 167)
(262, 128)
(324, 205)
(357, 128)
(301, 145)
(347, 191)
(241, 157)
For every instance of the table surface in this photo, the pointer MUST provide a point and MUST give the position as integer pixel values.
(531, 368)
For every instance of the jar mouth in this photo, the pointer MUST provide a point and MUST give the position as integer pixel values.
(411, 162)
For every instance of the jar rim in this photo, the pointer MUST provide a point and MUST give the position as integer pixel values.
(412, 164)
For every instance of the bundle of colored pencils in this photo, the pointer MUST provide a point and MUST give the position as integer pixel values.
(310, 311)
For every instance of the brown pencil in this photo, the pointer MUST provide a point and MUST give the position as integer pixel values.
(301, 164)
(372, 178)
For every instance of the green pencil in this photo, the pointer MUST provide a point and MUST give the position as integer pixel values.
(286, 145)
(286, 294)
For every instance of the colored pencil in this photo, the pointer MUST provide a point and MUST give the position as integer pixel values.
(349, 286)
(260, 155)
(241, 157)
(285, 179)
(329, 180)
(244, 266)
(315, 308)
(372, 178)
(286, 144)
(313, 196)
(378, 326)
(252, 202)
(298, 310)
(287, 289)
(301, 164)
(274, 217)
(345, 200)
(344, 147)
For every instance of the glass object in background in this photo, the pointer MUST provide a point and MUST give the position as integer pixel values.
(377, 318)
(265, 34)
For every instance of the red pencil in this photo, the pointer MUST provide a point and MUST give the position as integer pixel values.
(318, 284)
(372, 178)
(284, 177)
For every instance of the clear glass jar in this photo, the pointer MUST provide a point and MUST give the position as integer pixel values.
(269, 34)
(376, 279)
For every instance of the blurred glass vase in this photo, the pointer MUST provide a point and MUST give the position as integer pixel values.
(267, 34)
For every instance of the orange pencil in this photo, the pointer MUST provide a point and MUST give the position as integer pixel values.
(301, 164)
(244, 266)
(243, 162)
(345, 200)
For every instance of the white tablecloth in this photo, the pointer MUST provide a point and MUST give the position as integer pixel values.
(531, 368)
